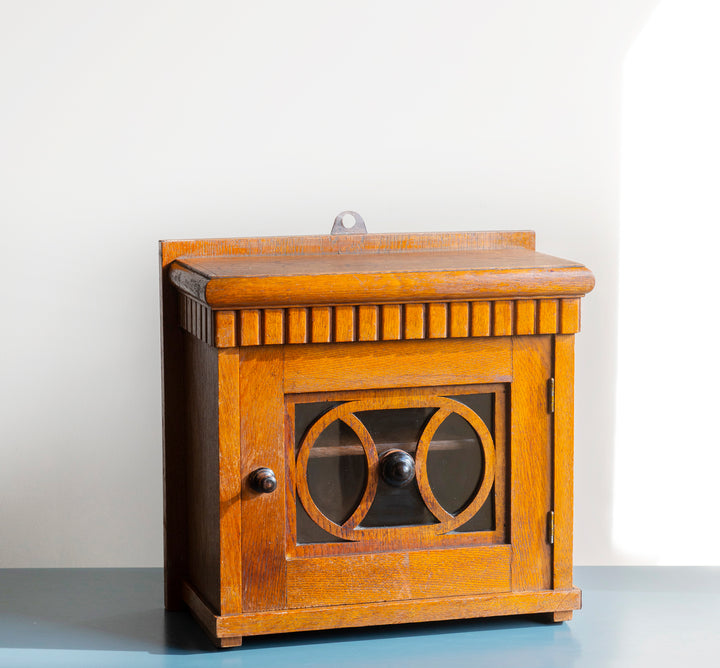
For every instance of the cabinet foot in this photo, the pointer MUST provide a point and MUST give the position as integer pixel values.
(234, 641)
(561, 616)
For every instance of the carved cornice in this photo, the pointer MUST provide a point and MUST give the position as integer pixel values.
(382, 322)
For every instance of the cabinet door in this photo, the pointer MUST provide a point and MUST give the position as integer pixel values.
(408, 470)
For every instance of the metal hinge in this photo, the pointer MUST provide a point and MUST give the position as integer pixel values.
(551, 527)
(551, 395)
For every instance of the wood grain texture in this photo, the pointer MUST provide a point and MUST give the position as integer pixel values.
(320, 324)
(503, 312)
(197, 319)
(250, 328)
(480, 313)
(413, 363)
(414, 321)
(201, 426)
(569, 316)
(225, 329)
(530, 464)
(318, 581)
(392, 322)
(228, 468)
(525, 317)
(362, 322)
(278, 321)
(263, 515)
(548, 316)
(273, 326)
(368, 322)
(459, 319)
(437, 317)
(344, 329)
(563, 460)
(298, 330)
(391, 539)
(350, 244)
(174, 443)
(345, 412)
(227, 282)
(391, 612)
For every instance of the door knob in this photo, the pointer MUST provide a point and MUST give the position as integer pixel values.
(263, 480)
(397, 468)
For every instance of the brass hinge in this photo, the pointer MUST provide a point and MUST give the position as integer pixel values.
(551, 395)
(551, 526)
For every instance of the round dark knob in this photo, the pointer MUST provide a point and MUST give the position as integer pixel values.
(263, 480)
(397, 468)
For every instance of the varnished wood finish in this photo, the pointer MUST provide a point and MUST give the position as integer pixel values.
(395, 576)
(563, 460)
(174, 378)
(446, 522)
(459, 319)
(201, 425)
(390, 612)
(225, 329)
(261, 435)
(352, 244)
(230, 481)
(455, 361)
(254, 327)
(226, 282)
(530, 464)
(388, 322)
(382, 541)
(368, 320)
(250, 328)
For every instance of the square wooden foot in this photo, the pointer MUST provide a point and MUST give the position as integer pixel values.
(235, 641)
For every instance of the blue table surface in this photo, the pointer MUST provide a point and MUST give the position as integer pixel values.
(632, 616)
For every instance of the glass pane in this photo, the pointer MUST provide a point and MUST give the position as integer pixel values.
(336, 472)
(397, 429)
(337, 467)
(456, 463)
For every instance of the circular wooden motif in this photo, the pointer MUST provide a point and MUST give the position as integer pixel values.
(350, 529)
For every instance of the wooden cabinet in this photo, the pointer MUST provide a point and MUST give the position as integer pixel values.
(367, 429)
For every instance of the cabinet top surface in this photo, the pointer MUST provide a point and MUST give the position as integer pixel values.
(228, 266)
(370, 269)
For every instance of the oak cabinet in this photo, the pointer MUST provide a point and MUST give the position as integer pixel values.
(367, 429)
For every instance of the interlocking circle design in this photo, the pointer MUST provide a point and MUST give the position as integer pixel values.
(350, 529)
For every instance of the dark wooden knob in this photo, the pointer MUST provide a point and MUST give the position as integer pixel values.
(397, 468)
(263, 480)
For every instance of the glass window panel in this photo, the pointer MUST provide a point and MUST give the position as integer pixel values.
(465, 465)
(337, 467)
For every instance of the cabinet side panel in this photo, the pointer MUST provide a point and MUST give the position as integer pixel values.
(530, 464)
(201, 414)
(262, 430)
(174, 445)
(563, 502)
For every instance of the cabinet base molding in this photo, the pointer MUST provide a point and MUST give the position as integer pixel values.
(228, 630)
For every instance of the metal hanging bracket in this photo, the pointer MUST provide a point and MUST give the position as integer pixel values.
(339, 226)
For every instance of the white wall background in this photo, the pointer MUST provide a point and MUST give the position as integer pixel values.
(125, 122)
(668, 444)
